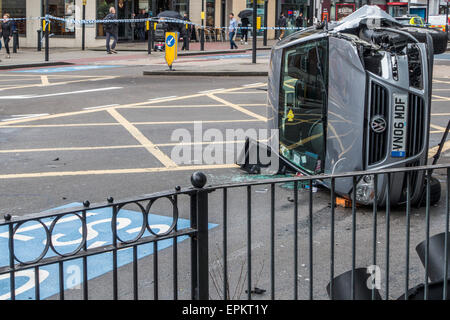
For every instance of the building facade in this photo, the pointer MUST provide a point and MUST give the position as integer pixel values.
(216, 14)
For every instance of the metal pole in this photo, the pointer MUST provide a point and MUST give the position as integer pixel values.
(39, 39)
(202, 32)
(254, 32)
(83, 27)
(265, 23)
(446, 20)
(149, 32)
(428, 9)
(47, 27)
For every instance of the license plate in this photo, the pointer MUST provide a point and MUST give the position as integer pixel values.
(399, 116)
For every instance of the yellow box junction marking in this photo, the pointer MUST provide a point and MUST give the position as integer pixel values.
(150, 146)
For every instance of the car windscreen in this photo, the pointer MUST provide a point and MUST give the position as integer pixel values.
(302, 104)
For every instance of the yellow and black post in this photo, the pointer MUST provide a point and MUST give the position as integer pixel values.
(202, 33)
(83, 27)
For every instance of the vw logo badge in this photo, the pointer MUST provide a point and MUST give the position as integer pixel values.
(378, 124)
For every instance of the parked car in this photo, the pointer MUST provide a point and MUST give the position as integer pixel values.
(355, 96)
(411, 20)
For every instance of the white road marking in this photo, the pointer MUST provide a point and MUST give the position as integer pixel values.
(25, 116)
(154, 99)
(252, 84)
(20, 97)
(99, 107)
(213, 90)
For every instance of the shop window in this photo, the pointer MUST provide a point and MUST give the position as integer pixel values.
(210, 13)
(16, 9)
(62, 9)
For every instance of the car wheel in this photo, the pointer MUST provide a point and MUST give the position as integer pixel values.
(435, 192)
(439, 37)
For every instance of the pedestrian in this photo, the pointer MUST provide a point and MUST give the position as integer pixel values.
(282, 24)
(6, 33)
(186, 31)
(140, 26)
(112, 30)
(232, 30)
(299, 20)
(244, 31)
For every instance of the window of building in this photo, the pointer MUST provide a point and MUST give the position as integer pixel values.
(259, 12)
(181, 6)
(62, 9)
(210, 13)
(16, 9)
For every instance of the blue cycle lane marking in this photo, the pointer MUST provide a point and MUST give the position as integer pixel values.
(67, 69)
(30, 239)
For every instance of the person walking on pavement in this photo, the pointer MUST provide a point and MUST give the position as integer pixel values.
(141, 25)
(186, 31)
(112, 30)
(244, 30)
(282, 24)
(299, 20)
(6, 33)
(232, 31)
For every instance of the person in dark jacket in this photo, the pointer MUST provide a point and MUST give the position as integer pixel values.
(6, 32)
(141, 25)
(244, 31)
(186, 31)
(282, 23)
(112, 30)
(299, 20)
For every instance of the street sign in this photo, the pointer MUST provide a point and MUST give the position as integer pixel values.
(171, 47)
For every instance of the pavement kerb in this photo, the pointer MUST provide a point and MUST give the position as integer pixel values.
(191, 73)
(35, 65)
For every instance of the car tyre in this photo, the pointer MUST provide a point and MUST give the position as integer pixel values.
(439, 37)
(435, 192)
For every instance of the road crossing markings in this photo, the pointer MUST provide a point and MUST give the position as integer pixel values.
(116, 171)
(20, 97)
(210, 91)
(153, 149)
(441, 129)
(105, 124)
(132, 146)
(238, 108)
(25, 116)
(44, 80)
(161, 98)
(441, 98)
(100, 107)
(85, 79)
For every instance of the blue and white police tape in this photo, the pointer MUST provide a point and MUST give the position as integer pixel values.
(153, 19)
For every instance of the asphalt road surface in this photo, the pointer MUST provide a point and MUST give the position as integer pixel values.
(71, 136)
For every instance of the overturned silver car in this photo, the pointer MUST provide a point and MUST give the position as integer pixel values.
(354, 96)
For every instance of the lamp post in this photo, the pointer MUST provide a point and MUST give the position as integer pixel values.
(202, 33)
(265, 22)
(47, 29)
(254, 32)
(83, 27)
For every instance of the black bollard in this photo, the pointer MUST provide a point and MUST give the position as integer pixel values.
(15, 41)
(39, 40)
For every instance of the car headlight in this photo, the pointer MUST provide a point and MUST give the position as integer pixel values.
(365, 192)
